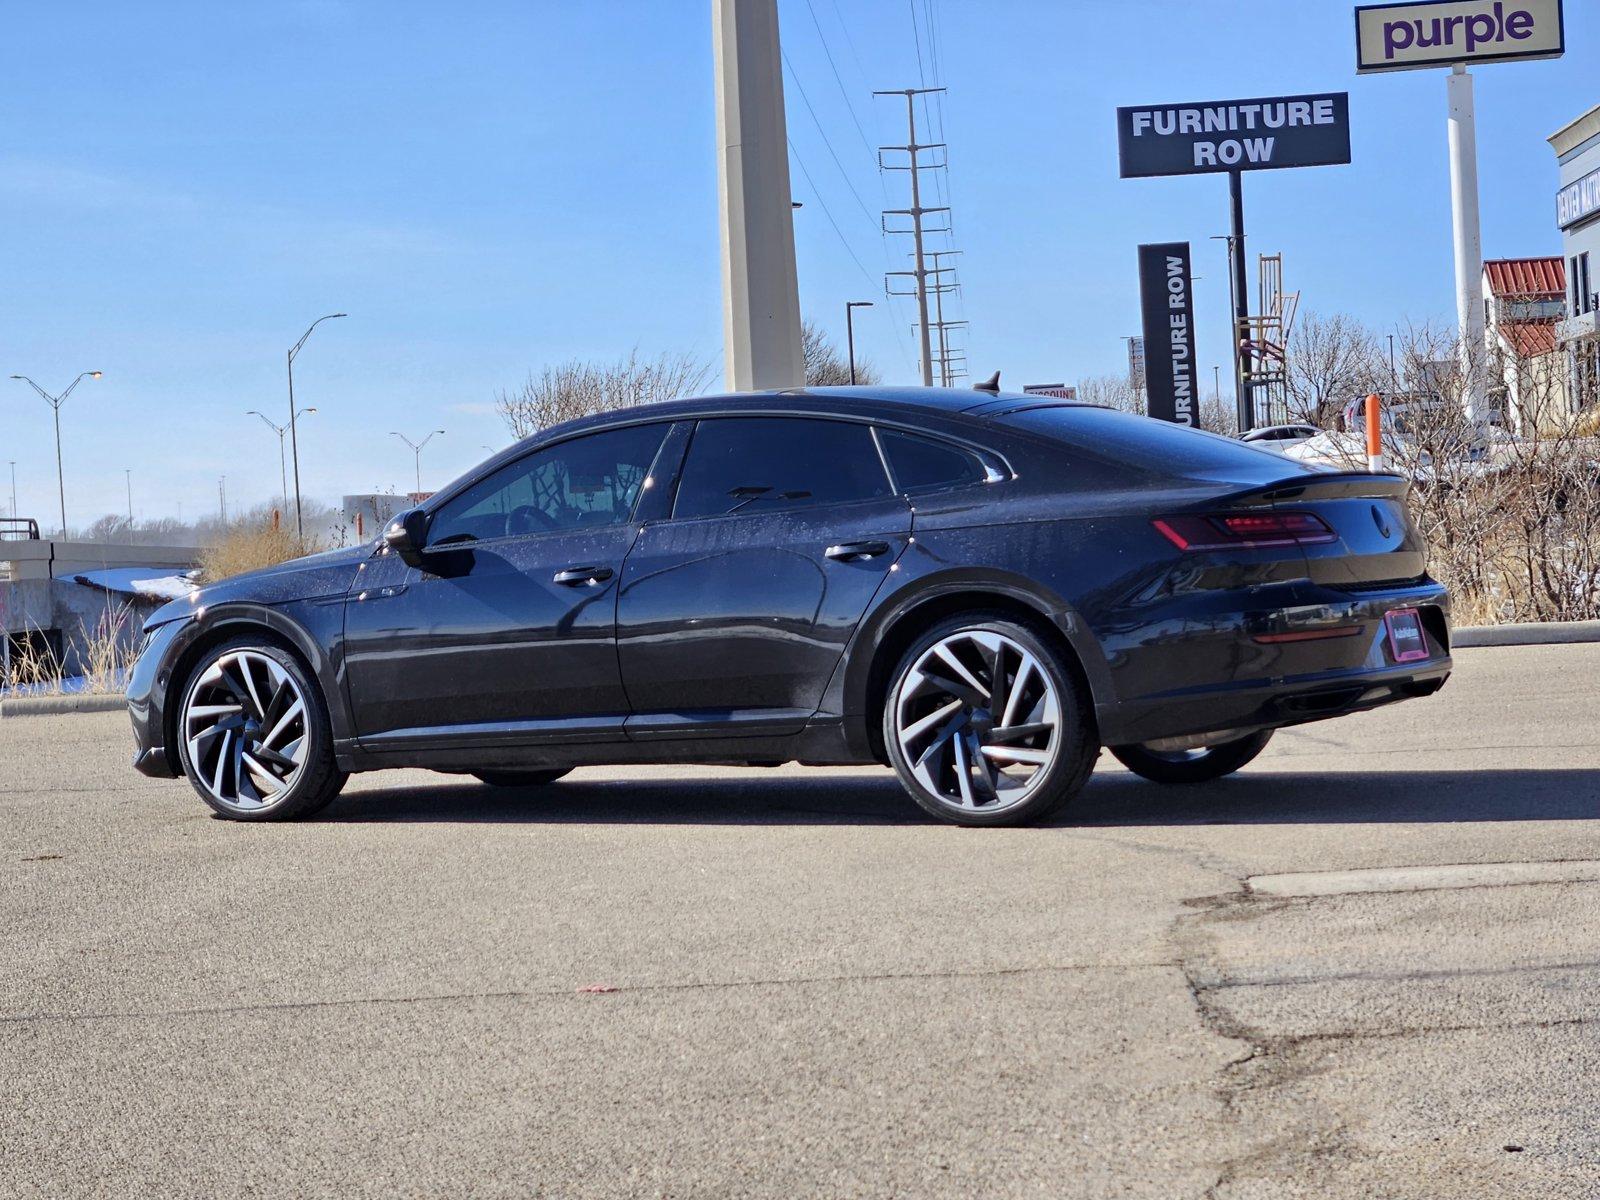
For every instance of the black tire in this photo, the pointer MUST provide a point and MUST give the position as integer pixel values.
(521, 778)
(319, 779)
(1075, 744)
(1210, 762)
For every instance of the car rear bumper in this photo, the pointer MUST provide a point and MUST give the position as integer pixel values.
(1269, 667)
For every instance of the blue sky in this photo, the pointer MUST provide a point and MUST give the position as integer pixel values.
(488, 187)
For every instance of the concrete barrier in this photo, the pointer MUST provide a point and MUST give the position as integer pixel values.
(45, 706)
(1528, 633)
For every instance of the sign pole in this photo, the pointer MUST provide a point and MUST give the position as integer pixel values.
(1468, 243)
(1243, 399)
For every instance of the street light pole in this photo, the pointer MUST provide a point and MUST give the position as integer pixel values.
(13, 488)
(55, 403)
(280, 430)
(416, 450)
(294, 437)
(127, 473)
(850, 331)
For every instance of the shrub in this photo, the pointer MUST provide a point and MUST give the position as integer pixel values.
(243, 548)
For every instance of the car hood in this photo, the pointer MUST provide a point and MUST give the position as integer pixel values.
(311, 577)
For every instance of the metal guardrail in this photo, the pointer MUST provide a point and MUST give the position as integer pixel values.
(19, 529)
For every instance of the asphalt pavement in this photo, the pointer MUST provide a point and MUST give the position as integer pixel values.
(788, 982)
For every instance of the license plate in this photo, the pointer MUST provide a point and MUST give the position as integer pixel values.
(1406, 640)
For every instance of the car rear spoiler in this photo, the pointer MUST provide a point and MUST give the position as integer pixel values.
(1339, 485)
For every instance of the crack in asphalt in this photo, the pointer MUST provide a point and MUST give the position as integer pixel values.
(1275, 1061)
(1395, 976)
(569, 993)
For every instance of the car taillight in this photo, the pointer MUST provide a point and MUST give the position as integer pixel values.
(1243, 531)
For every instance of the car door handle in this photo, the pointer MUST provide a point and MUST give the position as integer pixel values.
(856, 551)
(382, 593)
(579, 576)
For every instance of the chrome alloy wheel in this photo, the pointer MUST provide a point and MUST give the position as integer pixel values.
(244, 726)
(978, 721)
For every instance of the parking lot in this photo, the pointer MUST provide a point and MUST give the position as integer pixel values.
(812, 990)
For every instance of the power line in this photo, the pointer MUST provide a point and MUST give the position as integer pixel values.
(927, 116)
(826, 141)
(902, 345)
(866, 145)
(827, 212)
(849, 41)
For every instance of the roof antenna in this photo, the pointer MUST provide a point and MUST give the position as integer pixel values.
(991, 384)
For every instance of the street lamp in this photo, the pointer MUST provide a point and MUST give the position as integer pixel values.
(55, 403)
(850, 331)
(128, 475)
(416, 450)
(280, 430)
(294, 438)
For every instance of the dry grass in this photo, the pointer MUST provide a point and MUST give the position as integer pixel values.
(107, 656)
(246, 548)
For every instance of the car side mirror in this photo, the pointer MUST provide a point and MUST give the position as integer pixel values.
(405, 535)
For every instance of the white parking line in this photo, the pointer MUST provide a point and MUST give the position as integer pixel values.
(1421, 879)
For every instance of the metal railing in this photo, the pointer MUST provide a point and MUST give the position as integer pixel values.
(19, 529)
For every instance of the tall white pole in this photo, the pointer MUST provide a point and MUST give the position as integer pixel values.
(760, 289)
(1468, 243)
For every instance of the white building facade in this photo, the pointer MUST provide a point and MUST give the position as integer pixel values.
(1577, 148)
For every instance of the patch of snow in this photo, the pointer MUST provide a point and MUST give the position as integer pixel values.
(136, 581)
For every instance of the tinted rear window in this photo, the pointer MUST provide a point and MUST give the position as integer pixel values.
(1145, 443)
(922, 465)
(760, 464)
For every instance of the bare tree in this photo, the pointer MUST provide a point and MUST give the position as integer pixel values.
(1331, 361)
(1117, 392)
(825, 365)
(577, 388)
(113, 527)
(1218, 415)
(1111, 391)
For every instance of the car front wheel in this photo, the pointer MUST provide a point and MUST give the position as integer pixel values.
(986, 724)
(253, 734)
(1193, 766)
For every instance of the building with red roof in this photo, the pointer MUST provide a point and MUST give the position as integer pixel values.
(1523, 299)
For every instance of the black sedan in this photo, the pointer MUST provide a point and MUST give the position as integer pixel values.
(978, 589)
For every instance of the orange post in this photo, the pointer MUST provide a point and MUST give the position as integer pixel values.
(276, 518)
(1374, 435)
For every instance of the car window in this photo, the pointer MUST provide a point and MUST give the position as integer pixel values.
(919, 464)
(576, 484)
(761, 464)
(1141, 442)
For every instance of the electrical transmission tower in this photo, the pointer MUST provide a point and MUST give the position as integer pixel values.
(952, 362)
(914, 166)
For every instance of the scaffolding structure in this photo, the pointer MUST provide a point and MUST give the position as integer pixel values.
(1265, 350)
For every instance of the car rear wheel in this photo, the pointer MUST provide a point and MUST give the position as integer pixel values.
(520, 778)
(253, 734)
(1193, 766)
(986, 724)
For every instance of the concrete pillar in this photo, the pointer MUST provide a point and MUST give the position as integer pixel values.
(760, 291)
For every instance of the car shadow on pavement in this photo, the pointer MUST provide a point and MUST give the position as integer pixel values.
(756, 797)
(1262, 797)
(1112, 798)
